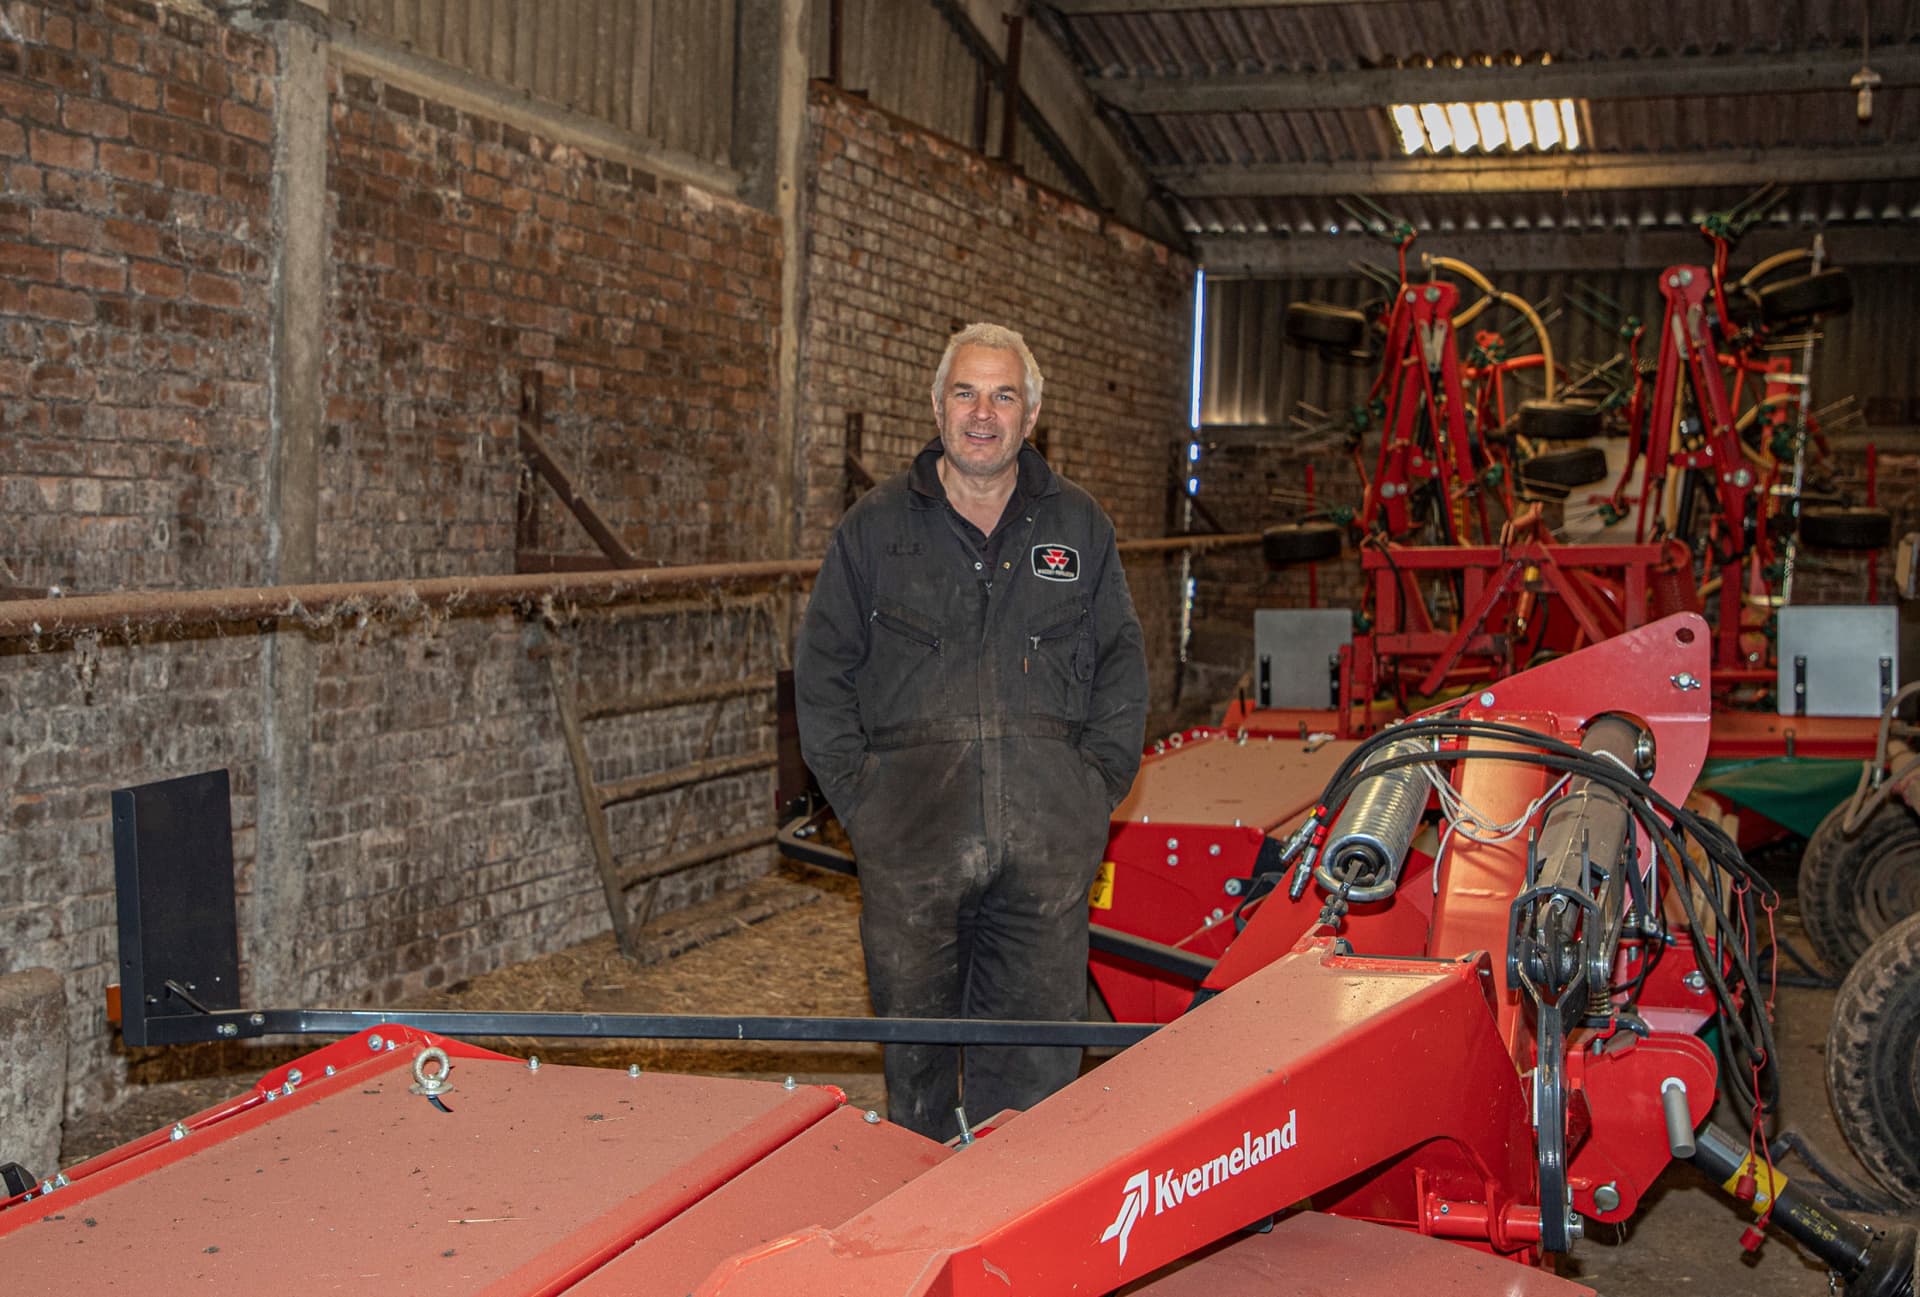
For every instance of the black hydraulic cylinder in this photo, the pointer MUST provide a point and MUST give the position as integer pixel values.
(1871, 1263)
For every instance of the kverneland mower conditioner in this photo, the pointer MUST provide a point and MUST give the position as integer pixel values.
(1454, 1016)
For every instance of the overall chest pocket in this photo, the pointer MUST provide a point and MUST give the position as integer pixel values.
(904, 677)
(1057, 660)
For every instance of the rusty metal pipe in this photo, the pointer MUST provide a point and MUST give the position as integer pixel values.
(132, 610)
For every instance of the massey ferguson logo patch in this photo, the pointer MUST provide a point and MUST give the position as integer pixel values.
(1171, 1188)
(1056, 562)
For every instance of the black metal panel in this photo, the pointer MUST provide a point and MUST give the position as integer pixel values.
(173, 870)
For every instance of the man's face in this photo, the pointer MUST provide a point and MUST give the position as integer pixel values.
(983, 413)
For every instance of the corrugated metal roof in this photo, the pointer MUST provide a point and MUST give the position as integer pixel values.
(1310, 38)
(1414, 34)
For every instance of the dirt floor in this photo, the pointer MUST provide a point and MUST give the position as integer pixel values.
(789, 944)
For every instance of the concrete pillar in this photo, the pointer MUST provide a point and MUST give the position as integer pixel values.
(33, 1040)
(271, 941)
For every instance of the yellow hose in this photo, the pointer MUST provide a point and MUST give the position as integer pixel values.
(1492, 294)
(1774, 263)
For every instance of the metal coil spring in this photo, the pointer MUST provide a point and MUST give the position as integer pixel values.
(1370, 837)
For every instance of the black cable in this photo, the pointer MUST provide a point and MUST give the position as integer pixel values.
(1667, 826)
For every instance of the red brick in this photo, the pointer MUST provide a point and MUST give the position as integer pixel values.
(214, 290)
(90, 271)
(55, 149)
(136, 164)
(53, 68)
(91, 117)
(133, 238)
(59, 304)
(13, 140)
(133, 88)
(186, 101)
(18, 99)
(246, 122)
(60, 383)
(65, 229)
(58, 31)
(25, 261)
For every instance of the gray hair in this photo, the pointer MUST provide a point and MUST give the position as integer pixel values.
(999, 338)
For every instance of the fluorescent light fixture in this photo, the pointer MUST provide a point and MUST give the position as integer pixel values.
(1546, 125)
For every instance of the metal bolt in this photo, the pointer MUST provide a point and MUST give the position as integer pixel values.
(257, 1019)
(1486, 699)
(293, 1076)
(1696, 981)
(1433, 294)
(1214, 850)
(1231, 887)
(1444, 1208)
(374, 1043)
(226, 1029)
(330, 1069)
(1607, 1196)
(46, 1188)
(272, 1095)
(1409, 294)
(533, 1062)
(872, 1117)
(1172, 859)
(787, 1084)
(1218, 914)
(1686, 276)
(1685, 680)
(179, 1131)
(1173, 844)
(633, 1069)
(1742, 478)
(392, 1045)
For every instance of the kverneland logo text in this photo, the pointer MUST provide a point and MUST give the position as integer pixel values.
(1171, 1188)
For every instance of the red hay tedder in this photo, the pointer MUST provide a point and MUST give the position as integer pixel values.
(1450, 1014)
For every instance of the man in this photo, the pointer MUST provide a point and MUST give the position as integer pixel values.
(972, 694)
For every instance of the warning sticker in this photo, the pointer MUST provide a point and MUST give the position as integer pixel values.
(1100, 895)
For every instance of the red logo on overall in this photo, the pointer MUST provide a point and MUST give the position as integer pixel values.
(1056, 562)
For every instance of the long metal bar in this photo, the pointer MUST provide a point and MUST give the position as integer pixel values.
(1638, 78)
(138, 609)
(538, 454)
(30, 618)
(1544, 174)
(179, 1029)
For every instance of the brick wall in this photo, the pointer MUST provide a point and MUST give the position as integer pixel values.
(134, 251)
(911, 236)
(137, 241)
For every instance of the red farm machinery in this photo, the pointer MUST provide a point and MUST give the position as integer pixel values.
(1446, 1012)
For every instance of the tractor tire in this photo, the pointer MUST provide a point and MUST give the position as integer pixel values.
(1857, 528)
(1559, 421)
(1826, 292)
(1852, 889)
(1873, 1059)
(1332, 328)
(1576, 466)
(1300, 542)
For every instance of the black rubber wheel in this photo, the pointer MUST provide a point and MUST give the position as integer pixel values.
(1854, 529)
(1852, 889)
(1826, 292)
(1300, 542)
(1575, 466)
(1873, 1059)
(1559, 421)
(1318, 324)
